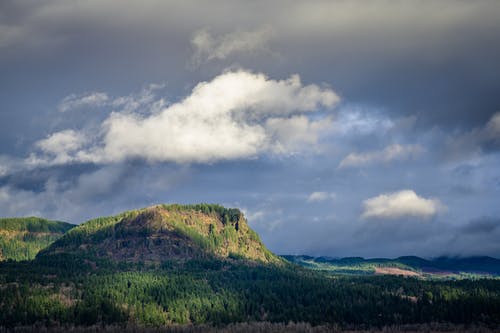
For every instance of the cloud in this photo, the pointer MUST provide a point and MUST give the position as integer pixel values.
(62, 144)
(146, 98)
(473, 143)
(208, 47)
(106, 190)
(354, 44)
(3, 170)
(8, 34)
(265, 218)
(290, 134)
(405, 203)
(492, 129)
(145, 101)
(94, 99)
(389, 59)
(390, 153)
(320, 196)
(7, 164)
(236, 115)
(484, 225)
(477, 237)
(360, 121)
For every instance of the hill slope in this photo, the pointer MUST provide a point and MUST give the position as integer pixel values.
(165, 232)
(23, 237)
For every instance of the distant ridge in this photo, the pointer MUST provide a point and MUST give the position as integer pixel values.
(21, 238)
(406, 265)
(166, 232)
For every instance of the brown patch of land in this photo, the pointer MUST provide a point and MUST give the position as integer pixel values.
(395, 271)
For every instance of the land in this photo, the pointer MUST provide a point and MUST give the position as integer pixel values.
(23, 238)
(194, 268)
(437, 268)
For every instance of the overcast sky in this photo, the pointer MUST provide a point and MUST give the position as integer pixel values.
(340, 128)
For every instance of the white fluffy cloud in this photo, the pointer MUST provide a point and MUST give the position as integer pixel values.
(390, 153)
(405, 203)
(238, 114)
(208, 47)
(320, 196)
(62, 144)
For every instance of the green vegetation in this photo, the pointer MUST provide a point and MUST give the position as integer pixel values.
(70, 290)
(225, 215)
(202, 265)
(166, 231)
(96, 229)
(22, 238)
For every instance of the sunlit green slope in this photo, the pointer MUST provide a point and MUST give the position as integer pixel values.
(21, 238)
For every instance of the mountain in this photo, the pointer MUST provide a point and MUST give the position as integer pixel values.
(408, 265)
(165, 232)
(21, 238)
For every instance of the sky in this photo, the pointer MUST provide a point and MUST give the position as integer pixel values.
(340, 128)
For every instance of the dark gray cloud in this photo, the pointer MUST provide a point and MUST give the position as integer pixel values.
(34, 180)
(419, 107)
(78, 194)
(476, 237)
(482, 225)
(436, 61)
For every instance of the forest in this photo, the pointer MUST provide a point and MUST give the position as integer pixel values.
(69, 284)
(68, 290)
(23, 238)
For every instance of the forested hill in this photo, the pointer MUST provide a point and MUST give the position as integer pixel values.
(21, 238)
(165, 232)
(409, 265)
